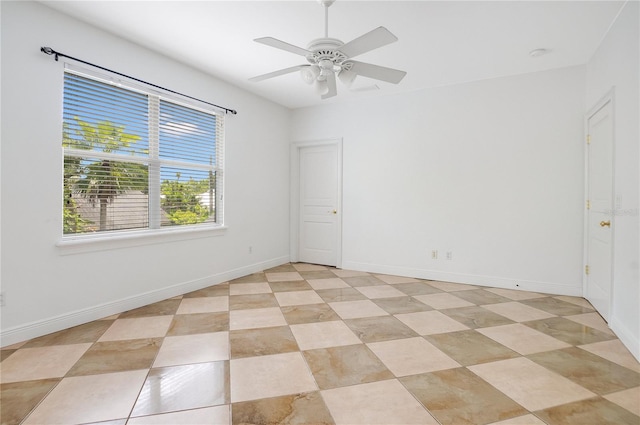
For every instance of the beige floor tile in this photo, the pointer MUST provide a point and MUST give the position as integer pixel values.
(355, 309)
(29, 364)
(175, 388)
(256, 318)
(411, 356)
(430, 322)
(394, 280)
(217, 415)
(283, 276)
(521, 420)
(144, 327)
(94, 398)
(327, 283)
(593, 320)
(323, 334)
(249, 288)
(514, 294)
(382, 291)
(384, 403)
(450, 286)
(614, 351)
(629, 399)
(270, 376)
(187, 349)
(203, 305)
(443, 301)
(531, 385)
(286, 299)
(518, 312)
(523, 339)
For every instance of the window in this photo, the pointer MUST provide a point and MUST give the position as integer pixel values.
(136, 160)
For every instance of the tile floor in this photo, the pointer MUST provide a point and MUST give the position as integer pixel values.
(306, 344)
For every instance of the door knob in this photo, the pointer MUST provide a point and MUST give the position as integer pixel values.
(335, 212)
(605, 223)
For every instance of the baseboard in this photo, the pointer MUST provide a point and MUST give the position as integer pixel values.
(43, 327)
(626, 337)
(470, 279)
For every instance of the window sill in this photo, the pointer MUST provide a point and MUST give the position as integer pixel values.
(91, 243)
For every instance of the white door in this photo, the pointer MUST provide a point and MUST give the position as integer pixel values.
(319, 232)
(599, 237)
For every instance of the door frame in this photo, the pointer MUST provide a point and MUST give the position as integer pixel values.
(294, 214)
(609, 98)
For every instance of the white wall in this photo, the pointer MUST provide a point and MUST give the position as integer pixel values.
(491, 171)
(48, 288)
(616, 64)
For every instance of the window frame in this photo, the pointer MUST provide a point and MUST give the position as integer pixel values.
(153, 233)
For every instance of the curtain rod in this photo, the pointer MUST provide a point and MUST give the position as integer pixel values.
(49, 51)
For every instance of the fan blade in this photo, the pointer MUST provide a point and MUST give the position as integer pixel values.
(331, 82)
(278, 44)
(382, 73)
(372, 40)
(278, 73)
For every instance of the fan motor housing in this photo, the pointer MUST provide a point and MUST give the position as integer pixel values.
(326, 48)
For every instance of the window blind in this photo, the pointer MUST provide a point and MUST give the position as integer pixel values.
(136, 160)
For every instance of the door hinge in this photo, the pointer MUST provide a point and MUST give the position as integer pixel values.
(588, 204)
(586, 269)
(588, 139)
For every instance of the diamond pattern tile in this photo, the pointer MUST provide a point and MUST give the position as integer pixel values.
(310, 344)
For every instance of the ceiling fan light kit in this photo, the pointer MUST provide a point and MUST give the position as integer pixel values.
(328, 57)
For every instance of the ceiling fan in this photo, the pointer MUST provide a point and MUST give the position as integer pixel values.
(329, 57)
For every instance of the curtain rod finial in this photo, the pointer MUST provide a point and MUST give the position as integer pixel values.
(49, 51)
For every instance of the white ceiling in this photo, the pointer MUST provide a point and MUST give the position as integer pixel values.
(440, 42)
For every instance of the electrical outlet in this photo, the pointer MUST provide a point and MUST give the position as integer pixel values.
(250, 250)
(449, 255)
(3, 299)
(434, 254)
